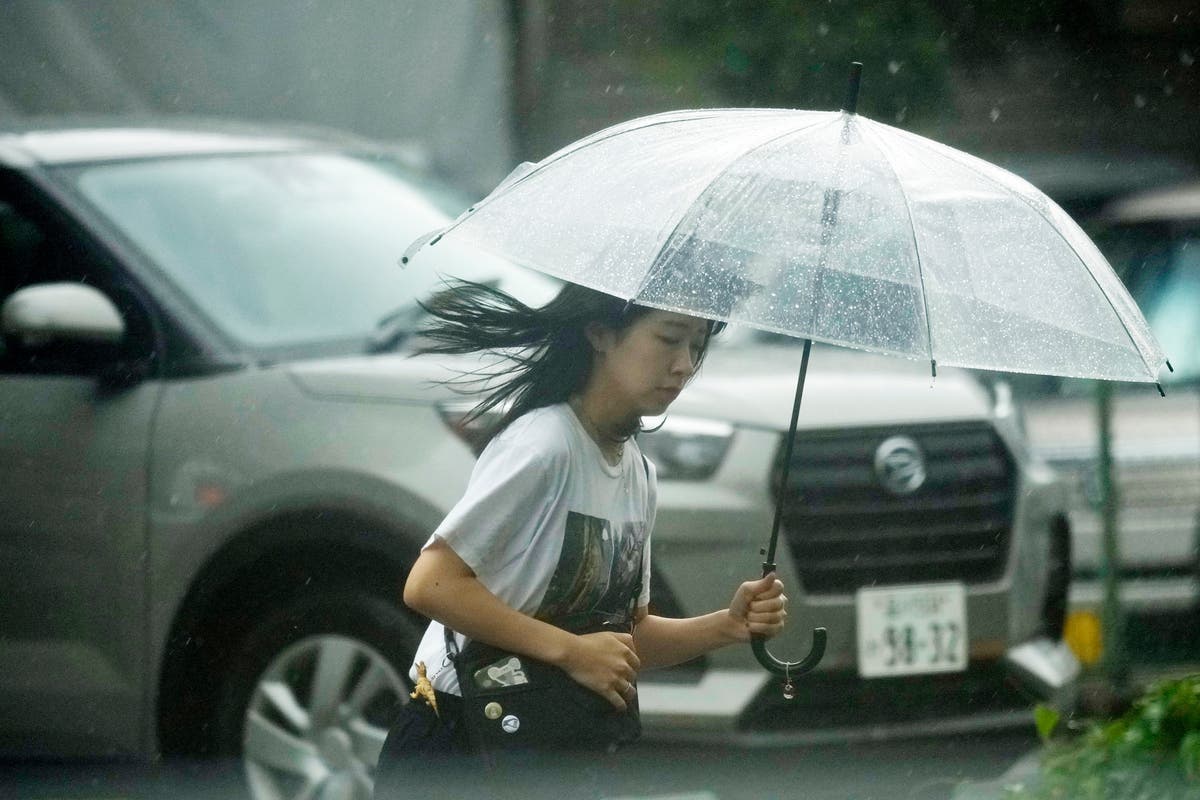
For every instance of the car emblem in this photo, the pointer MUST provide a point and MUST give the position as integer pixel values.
(900, 465)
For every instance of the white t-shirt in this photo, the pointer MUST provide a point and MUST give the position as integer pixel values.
(550, 528)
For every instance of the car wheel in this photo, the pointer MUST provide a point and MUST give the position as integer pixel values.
(309, 692)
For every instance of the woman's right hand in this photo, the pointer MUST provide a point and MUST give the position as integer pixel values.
(605, 663)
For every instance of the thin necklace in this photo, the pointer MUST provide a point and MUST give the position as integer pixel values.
(597, 435)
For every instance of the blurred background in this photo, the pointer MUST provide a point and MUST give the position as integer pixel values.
(1108, 85)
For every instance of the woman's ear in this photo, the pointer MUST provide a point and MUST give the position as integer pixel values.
(601, 337)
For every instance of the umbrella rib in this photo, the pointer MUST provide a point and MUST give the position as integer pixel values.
(601, 136)
(830, 202)
(867, 348)
(659, 260)
(604, 135)
(1104, 294)
(728, 318)
(916, 248)
(987, 178)
(1009, 368)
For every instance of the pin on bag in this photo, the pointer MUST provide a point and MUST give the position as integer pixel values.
(512, 701)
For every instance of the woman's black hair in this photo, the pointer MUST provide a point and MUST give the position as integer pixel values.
(543, 354)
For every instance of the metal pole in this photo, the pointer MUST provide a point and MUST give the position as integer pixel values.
(1115, 659)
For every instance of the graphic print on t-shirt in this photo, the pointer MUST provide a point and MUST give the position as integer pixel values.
(599, 571)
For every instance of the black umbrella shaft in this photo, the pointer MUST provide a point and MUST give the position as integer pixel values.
(781, 495)
(851, 104)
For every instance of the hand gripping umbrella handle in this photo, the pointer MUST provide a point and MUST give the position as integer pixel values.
(787, 669)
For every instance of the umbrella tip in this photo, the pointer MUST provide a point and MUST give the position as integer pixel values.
(1161, 393)
(429, 239)
(851, 104)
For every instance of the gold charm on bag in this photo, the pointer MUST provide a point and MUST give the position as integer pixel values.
(424, 689)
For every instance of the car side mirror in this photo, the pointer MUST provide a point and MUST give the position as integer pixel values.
(52, 312)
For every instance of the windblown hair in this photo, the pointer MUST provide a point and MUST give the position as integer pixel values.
(543, 355)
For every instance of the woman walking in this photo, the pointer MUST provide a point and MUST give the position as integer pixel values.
(546, 558)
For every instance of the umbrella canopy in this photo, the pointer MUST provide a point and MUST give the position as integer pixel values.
(827, 226)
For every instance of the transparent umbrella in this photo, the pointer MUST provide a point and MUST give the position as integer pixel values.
(825, 226)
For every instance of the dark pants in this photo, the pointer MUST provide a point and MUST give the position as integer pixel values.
(428, 755)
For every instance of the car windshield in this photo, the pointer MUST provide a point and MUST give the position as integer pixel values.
(286, 249)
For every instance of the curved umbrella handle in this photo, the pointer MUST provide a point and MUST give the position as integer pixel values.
(789, 669)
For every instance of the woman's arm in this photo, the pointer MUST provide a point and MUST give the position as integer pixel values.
(758, 607)
(443, 587)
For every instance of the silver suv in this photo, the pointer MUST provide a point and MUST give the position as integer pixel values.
(217, 461)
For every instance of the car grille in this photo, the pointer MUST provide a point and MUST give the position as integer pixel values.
(846, 531)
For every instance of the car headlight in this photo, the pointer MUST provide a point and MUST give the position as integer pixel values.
(686, 448)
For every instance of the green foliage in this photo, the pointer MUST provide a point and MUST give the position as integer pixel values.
(1152, 752)
(1189, 754)
(1046, 719)
(795, 54)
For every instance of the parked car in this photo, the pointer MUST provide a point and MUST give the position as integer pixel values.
(218, 459)
(1152, 239)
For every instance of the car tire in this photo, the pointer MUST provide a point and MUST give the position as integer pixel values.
(307, 693)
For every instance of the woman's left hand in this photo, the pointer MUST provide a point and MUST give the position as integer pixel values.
(758, 607)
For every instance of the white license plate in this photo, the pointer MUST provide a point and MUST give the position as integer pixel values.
(912, 630)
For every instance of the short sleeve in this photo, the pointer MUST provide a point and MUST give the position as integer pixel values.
(514, 485)
(651, 512)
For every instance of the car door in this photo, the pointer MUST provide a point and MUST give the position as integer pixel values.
(74, 434)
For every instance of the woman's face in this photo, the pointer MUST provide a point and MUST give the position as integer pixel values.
(643, 368)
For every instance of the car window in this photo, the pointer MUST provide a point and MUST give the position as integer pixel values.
(282, 249)
(20, 243)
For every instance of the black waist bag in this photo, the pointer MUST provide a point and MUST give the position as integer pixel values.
(511, 701)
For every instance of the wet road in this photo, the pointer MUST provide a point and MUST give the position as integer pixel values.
(928, 767)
